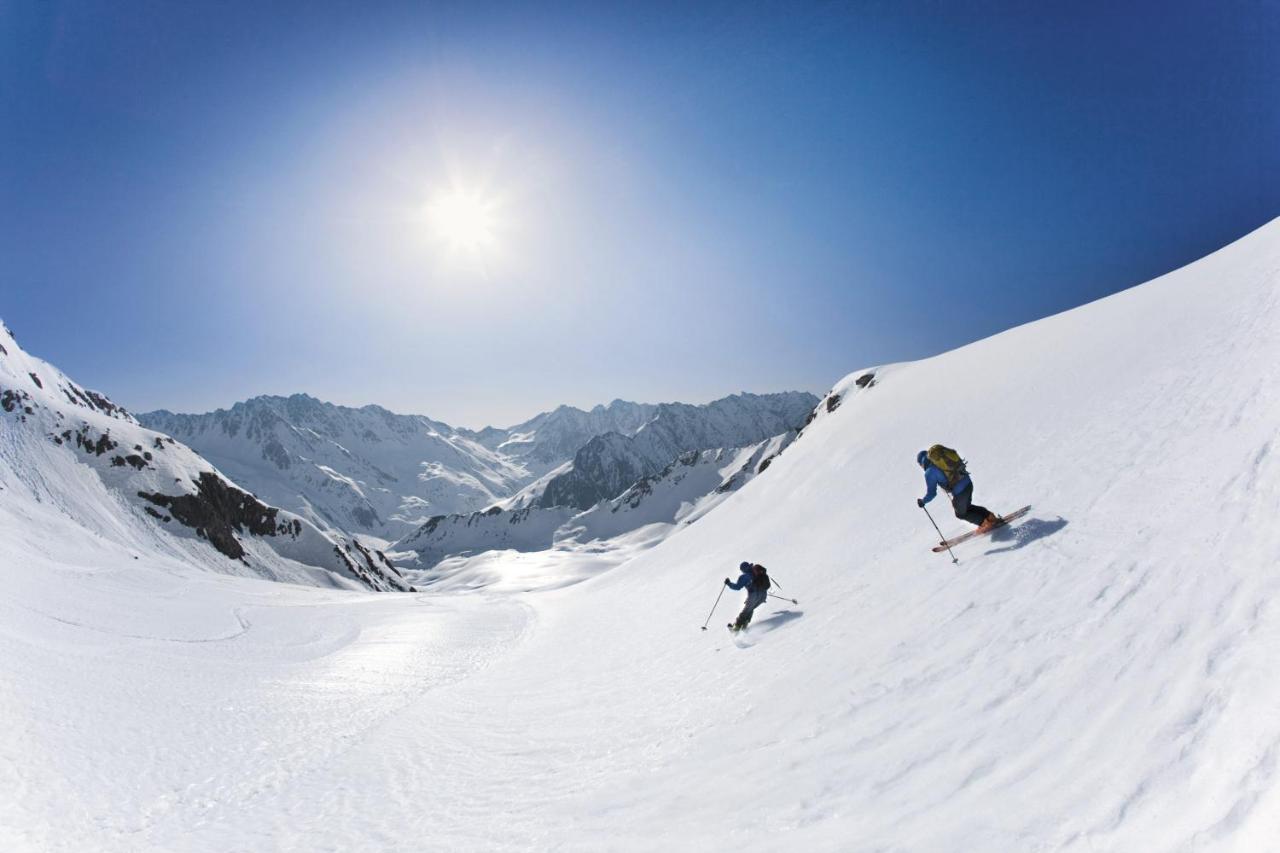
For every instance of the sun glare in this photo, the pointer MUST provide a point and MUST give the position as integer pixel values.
(464, 221)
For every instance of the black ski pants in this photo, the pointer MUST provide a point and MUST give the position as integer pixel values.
(962, 503)
(755, 597)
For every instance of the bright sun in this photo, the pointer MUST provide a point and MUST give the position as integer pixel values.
(463, 220)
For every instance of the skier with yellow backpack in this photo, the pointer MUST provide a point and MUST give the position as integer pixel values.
(944, 469)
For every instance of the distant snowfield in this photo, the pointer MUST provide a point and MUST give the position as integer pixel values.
(566, 564)
(1103, 676)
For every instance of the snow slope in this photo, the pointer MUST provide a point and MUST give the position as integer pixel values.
(1102, 676)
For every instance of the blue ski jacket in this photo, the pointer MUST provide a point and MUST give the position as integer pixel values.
(743, 581)
(935, 479)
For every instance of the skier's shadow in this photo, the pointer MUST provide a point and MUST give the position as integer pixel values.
(777, 619)
(1017, 536)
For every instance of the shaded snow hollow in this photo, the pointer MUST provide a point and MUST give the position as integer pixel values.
(1103, 676)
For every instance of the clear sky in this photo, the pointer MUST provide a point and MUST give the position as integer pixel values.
(201, 202)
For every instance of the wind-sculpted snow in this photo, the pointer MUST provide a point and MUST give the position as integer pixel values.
(1101, 676)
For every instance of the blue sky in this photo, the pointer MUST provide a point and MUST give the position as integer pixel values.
(204, 202)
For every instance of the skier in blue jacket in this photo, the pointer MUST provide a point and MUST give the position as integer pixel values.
(755, 580)
(961, 495)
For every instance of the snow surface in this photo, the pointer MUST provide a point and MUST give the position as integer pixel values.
(1101, 676)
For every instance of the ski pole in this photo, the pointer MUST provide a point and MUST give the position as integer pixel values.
(940, 536)
(713, 608)
(782, 597)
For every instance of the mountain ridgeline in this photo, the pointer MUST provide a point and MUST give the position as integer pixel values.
(684, 490)
(609, 463)
(363, 470)
(284, 487)
(373, 472)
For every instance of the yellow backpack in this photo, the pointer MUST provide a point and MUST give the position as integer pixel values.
(948, 462)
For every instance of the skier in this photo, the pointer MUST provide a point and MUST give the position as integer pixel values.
(755, 580)
(956, 482)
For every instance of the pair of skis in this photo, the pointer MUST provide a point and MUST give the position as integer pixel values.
(965, 537)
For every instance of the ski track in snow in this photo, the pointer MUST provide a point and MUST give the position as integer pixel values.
(1101, 675)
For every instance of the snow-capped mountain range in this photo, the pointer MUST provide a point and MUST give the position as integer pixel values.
(683, 491)
(370, 471)
(65, 444)
(285, 487)
(363, 470)
(546, 440)
(609, 463)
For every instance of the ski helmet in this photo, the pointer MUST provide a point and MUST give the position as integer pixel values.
(744, 566)
(922, 458)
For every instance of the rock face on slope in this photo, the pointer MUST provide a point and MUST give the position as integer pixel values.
(610, 463)
(53, 426)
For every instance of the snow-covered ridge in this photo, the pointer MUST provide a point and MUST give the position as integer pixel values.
(55, 430)
(26, 376)
(363, 470)
(610, 463)
(682, 492)
(547, 440)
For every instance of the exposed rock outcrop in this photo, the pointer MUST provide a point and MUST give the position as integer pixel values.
(218, 510)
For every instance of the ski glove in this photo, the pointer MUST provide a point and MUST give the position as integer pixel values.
(920, 502)
(726, 581)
